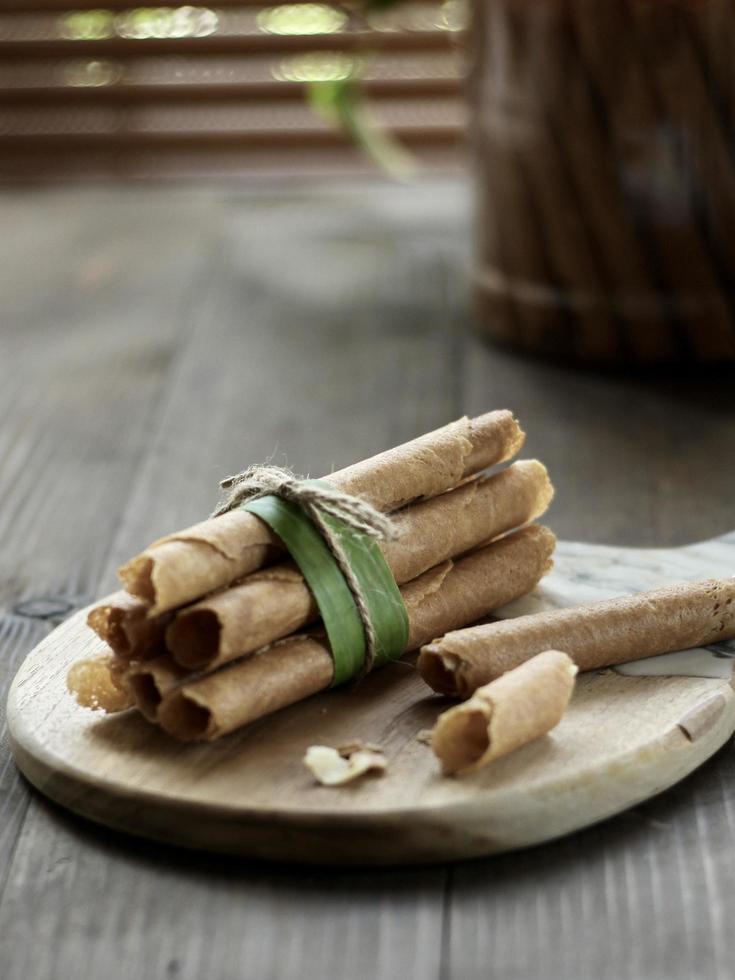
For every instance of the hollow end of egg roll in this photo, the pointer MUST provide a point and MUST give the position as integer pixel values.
(515, 709)
(439, 670)
(466, 739)
(151, 681)
(147, 694)
(185, 718)
(195, 638)
(263, 608)
(107, 623)
(122, 621)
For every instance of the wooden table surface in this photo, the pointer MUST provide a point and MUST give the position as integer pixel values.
(153, 340)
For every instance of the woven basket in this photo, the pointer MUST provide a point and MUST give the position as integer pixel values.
(604, 142)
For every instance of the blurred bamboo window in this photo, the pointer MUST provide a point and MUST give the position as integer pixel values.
(145, 91)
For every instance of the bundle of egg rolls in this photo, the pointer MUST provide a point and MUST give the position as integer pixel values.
(216, 628)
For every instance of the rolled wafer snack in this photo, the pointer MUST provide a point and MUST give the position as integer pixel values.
(99, 683)
(150, 681)
(113, 684)
(186, 565)
(212, 631)
(678, 617)
(295, 668)
(273, 603)
(122, 622)
(511, 711)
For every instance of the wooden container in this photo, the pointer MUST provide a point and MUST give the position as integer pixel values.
(604, 140)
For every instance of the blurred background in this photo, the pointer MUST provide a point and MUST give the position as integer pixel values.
(354, 222)
(307, 232)
(601, 137)
(114, 90)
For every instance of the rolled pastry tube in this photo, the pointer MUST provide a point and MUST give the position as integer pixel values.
(606, 633)
(122, 622)
(511, 711)
(212, 631)
(295, 668)
(191, 563)
(150, 682)
(273, 603)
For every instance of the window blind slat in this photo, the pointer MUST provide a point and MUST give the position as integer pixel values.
(124, 87)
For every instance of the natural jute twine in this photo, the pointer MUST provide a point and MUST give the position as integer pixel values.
(316, 500)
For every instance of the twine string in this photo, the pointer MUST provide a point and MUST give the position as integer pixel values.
(317, 500)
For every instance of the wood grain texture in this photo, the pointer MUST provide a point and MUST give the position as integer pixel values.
(317, 277)
(621, 740)
(64, 464)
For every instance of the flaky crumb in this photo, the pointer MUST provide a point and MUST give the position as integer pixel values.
(331, 768)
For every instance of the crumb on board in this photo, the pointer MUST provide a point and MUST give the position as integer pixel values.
(336, 767)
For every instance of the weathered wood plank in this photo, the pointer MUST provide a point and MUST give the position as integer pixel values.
(323, 336)
(649, 894)
(310, 285)
(92, 313)
(17, 636)
(91, 316)
(327, 341)
(635, 460)
(135, 910)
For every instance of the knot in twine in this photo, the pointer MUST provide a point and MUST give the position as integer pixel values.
(317, 500)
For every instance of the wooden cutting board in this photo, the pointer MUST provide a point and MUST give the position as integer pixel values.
(625, 738)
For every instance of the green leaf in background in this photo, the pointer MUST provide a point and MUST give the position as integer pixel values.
(341, 103)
